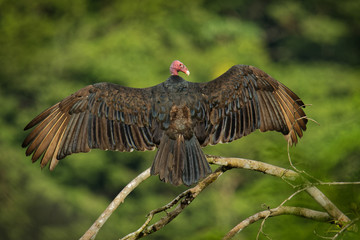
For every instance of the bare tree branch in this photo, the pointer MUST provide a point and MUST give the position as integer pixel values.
(330, 207)
(283, 210)
(286, 174)
(187, 197)
(140, 232)
(255, 166)
(94, 229)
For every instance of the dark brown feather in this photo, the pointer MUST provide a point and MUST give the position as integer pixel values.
(40, 117)
(54, 142)
(87, 119)
(262, 103)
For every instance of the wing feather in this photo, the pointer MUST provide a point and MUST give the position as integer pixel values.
(244, 99)
(40, 135)
(104, 116)
(54, 141)
(44, 138)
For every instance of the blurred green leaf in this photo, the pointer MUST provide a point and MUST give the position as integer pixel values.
(50, 49)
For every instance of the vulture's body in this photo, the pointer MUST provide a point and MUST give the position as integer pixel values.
(177, 116)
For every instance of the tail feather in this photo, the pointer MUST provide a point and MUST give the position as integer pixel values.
(180, 161)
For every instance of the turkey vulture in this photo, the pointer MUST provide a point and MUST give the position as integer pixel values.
(176, 116)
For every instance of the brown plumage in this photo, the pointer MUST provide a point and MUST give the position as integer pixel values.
(177, 116)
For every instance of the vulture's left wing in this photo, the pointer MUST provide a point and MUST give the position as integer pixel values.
(244, 99)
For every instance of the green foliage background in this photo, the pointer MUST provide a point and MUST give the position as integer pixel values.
(51, 48)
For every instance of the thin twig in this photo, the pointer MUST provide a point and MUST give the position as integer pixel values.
(320, 236)
(262, 226)
(292, 195)
(297, 170)
(94, 229)
(347, 226)
(336, 183)
(281, 204)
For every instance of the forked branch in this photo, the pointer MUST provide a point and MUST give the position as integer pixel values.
(332, 213)
(287, 175)
(185, 199)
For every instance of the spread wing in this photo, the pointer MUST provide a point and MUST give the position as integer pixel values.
(104, 116)
(244, 99)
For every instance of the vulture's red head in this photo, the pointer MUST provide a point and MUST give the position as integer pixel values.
(177, 66)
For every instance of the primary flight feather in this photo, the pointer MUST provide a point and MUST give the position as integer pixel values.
(176, 116)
